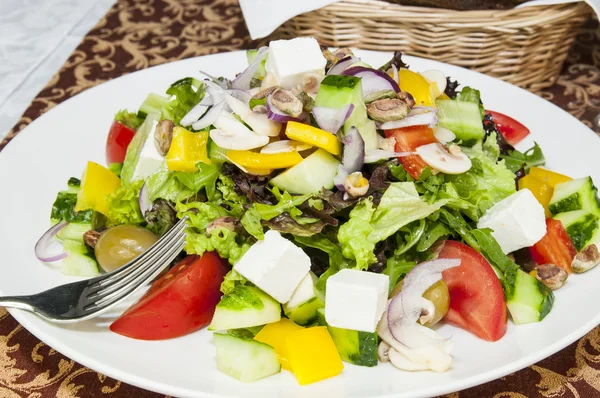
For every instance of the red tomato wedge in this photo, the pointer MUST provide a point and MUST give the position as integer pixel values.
(513, 131)
(407, 140)
(476, 297)
(555, 247)
(180, 302)
(119, 137)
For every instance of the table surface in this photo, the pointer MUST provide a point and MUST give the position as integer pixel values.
(134, 35)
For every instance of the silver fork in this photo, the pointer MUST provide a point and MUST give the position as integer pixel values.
(78, 301)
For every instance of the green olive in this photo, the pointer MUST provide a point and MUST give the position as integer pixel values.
(119, 245)
(438, 294)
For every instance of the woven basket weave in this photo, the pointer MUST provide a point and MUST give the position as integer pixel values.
(524, 46)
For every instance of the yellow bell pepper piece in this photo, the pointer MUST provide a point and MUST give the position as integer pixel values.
(313, 136)
(264, 161)
(275, 334)
(542, 192)
(96, 183)
(187, 149)
(417, 86)
(312, 355)
(548, 177)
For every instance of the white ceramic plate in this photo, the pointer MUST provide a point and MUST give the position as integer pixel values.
(57, 146)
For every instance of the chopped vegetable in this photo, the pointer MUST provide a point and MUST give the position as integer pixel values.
(97, 183)
(187, 150)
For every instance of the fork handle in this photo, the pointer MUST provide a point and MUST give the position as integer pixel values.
(19, 302)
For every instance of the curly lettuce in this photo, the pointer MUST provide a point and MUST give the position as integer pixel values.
(124, 205)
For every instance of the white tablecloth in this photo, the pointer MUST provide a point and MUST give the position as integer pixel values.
(36, 38)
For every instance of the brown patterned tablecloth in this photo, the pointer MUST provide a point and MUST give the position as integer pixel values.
(138, 34)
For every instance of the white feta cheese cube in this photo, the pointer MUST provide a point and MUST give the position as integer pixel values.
(356, 300)
(275, 265)
(290, 60)
(517, 221)
(304, 292)
(149, 160)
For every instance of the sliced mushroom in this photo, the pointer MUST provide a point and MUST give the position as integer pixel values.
(230, 133)
(227, 222)
(382, 351)
(270, 80)
(287, 102)
(443, 135)
(260, 123)
(402, 362)
(407, 98)
(551, 275)
(586, 259)
(163, 135)
(437, 77)
(356, 185)
(387, 110)
(438, 158)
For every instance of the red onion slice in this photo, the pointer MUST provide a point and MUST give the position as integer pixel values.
(197, 111)
(332, 119)
(354, 151)
(43, 244)
(404, 309)
(276, 115)
(242, 81)
(375, 155)
(373, 80)
(209, 117)
(144, 200)
(340, 177)
(421, 119)
(342, 65)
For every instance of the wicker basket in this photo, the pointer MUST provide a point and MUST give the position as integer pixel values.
(525, 46)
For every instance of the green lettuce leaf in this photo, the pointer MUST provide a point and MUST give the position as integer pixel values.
(488, 181)
(228, 244)
(124, 205)
(286, 204)
(187, 93)
(179, 185)
(532, 157)
(354, 235)
(397, 267)
(231, 280)
(129, 119)
(135, 147)
(251, 223)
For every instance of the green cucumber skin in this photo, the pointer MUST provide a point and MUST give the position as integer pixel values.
(306, 313)
(245, 359)
(245, 307)
(581, 227)
(529, 300)
(462, 118)
(358, 348)
(584, 198)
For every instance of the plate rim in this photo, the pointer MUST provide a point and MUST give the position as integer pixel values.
(25, 318)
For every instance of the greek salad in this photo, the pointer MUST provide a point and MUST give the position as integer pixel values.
(337, 212)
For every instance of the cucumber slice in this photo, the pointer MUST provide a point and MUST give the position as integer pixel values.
(73, 231)
(579, 194)
(462, 118)
(528, 299)
(152, 103)
(310, 175)
(244, 307)
(581, 226)
(245, 359)
(304, 303)
(79, 261)
(338, 91)
(358, 348)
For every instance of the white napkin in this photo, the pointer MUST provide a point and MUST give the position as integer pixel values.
(264, 16)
